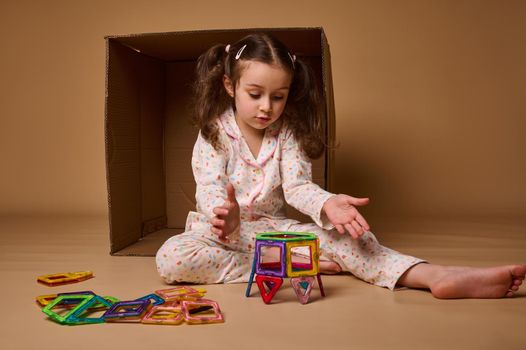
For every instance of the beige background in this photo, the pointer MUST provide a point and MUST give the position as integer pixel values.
(429, 98)
(430, 118)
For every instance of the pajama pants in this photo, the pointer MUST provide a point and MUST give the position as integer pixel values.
(197, 256)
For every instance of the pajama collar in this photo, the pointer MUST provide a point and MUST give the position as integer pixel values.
(268, 147)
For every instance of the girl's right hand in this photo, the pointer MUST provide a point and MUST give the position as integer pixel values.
(226, 222)
(341, 212)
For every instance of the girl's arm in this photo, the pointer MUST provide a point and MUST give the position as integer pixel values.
(209, 167)
(300, 192)
(326, 209)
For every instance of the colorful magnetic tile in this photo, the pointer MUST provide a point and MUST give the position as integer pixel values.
(320, 284)
(57, 279)
(84, 292)
(302, 286)
(66, 303)
(111, 299)
(308, 269)
(102, 306)
(270, 282)
(127, 311)
(277, 269)
(180, 293)
(73, 301)
(200, 290)
(59, 302)
(154, 298)
(43, 300)
(169, 315)
(198, 317)
(195, 296)
(79, 315)
(252, 273)
(172, 303)
(285, 236)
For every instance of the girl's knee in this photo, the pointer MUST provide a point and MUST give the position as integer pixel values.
(178, 261)
(167, 265)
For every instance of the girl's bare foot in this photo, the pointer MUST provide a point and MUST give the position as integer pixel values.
(329, 267)
(446, 282)
(469, 282)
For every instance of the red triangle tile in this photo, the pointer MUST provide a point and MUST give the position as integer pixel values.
(268, 282)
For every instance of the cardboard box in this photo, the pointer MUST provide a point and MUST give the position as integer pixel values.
(149, 137)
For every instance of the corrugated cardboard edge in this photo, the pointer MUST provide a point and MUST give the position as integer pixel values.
(229, 30)
(330, 110)
(107, 141)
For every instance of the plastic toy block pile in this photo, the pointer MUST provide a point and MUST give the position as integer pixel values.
(171, 306)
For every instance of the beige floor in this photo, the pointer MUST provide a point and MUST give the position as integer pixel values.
(354, 315)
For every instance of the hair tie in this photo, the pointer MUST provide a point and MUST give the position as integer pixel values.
(227, 48)
(238, 54)
(292, 59)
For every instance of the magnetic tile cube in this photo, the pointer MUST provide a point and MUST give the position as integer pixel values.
(301, 266)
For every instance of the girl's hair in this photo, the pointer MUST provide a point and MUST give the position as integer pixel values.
(303, 113)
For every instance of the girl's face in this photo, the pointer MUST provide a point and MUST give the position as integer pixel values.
(260, 95)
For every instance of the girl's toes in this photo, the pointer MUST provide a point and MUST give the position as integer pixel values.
(515, 288)
(518, 271)
(509, 294)
(517, 282)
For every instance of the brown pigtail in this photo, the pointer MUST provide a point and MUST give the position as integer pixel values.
(210, 97)
(305, 111)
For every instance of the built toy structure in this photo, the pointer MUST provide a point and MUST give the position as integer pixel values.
(280, 255)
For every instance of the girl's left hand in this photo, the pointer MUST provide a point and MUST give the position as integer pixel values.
(227, 220)
(341, 212)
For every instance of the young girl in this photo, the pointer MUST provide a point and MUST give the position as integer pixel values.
(258, 111)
